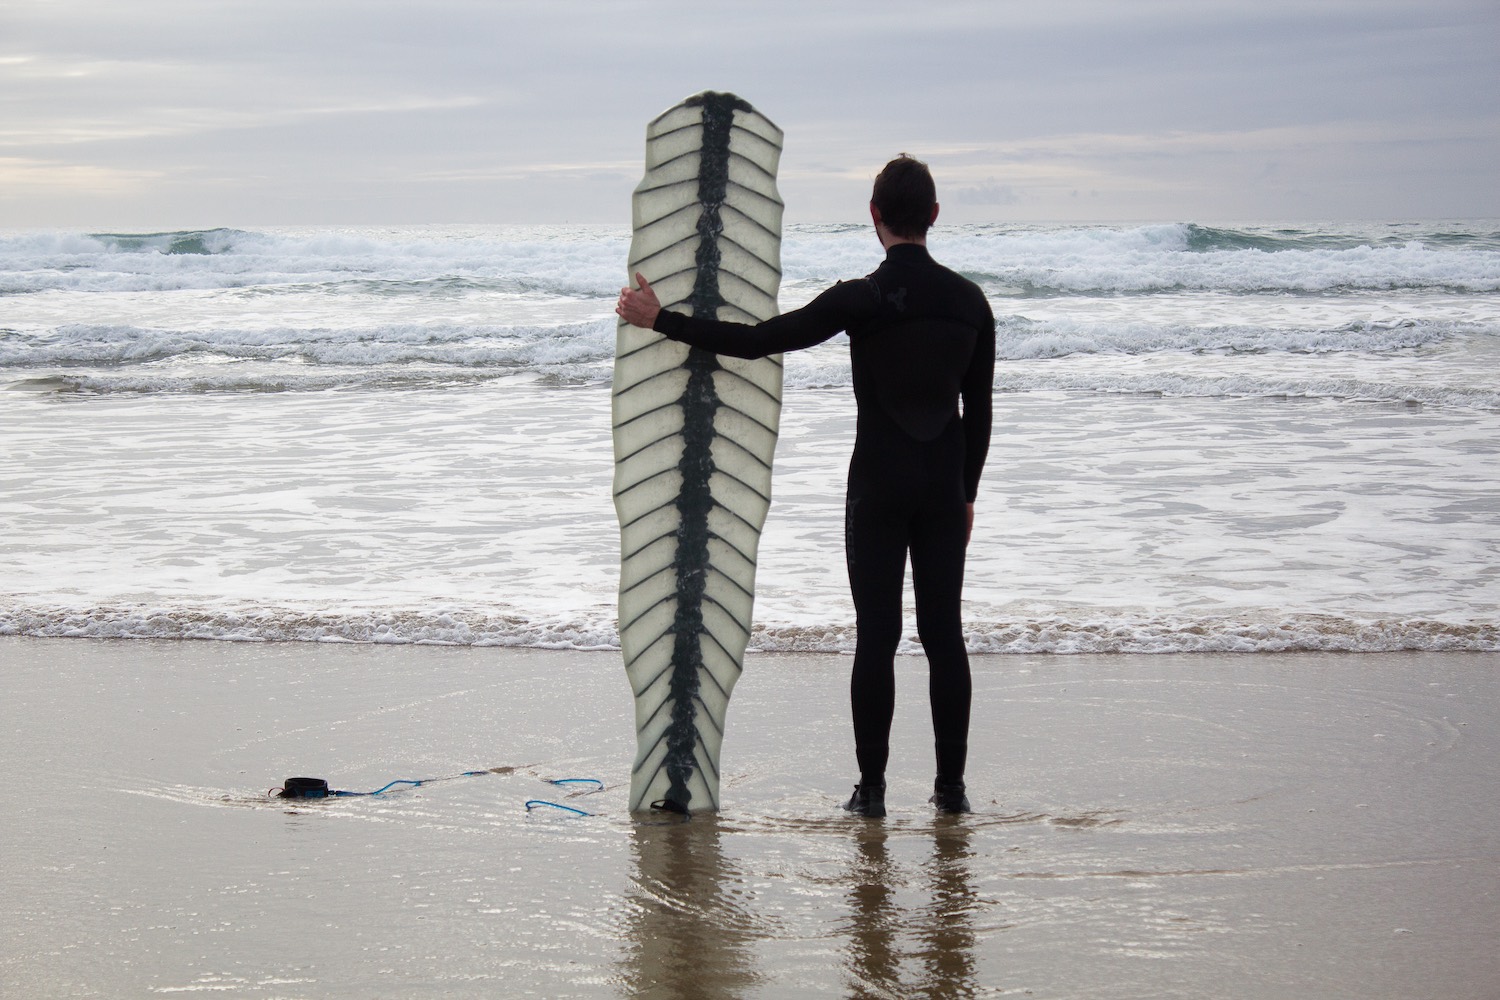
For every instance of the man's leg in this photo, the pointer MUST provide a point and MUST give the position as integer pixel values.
(875, 549)
(937, 570)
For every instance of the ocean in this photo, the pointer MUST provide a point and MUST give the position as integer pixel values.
(1247, 438)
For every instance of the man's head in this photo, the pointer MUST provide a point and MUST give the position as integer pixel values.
(904, 199)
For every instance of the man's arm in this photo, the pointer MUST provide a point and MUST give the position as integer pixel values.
(977, 393)
(834, 310)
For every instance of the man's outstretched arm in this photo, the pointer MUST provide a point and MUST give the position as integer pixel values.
(836, 309)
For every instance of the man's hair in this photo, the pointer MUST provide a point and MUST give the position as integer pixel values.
(904, 194)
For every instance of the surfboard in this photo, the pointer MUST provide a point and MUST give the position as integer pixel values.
(694, 437)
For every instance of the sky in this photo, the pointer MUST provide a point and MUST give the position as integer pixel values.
(174, 114)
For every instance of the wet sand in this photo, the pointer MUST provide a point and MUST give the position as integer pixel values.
(1254, 826)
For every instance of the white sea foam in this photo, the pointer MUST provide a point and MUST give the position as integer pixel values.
(1360, 360)
(1205, 439)
(555, 260)
(489, 626)
(1019, 337)
(451, 626)
(1028, 261)
(1184, 384)
(587, 261)
(465, 346)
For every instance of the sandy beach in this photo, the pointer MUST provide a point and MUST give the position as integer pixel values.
(1309, 825)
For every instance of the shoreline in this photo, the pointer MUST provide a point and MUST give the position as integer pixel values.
(1101, 632)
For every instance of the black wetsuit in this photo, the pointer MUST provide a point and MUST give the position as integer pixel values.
(920, 339)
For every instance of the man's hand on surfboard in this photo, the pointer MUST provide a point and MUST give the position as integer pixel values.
(638, 307)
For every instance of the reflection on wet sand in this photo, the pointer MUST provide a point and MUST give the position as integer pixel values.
(690, 928)
(697, 924)
(942, 927)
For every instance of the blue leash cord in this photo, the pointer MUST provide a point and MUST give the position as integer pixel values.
(341, 793)
(561, 782)
(414, 782)
(533, 803)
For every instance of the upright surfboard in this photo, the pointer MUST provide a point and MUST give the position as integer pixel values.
(694, 437)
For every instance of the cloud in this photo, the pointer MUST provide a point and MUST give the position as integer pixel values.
(1165, 108)
(20, 177)
(991, 192)
(178, 121)
(483, 173)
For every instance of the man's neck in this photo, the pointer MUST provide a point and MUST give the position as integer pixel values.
(889, 239)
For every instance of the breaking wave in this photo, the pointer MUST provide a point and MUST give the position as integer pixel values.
(1086, 632)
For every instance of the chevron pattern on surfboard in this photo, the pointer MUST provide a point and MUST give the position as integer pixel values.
(694, 436)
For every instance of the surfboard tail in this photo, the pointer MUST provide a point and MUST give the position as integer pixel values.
(695, 435)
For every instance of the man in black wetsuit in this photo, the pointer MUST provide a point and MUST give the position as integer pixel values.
(921, 338)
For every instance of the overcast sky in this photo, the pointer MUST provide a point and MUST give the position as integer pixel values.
(160, 114)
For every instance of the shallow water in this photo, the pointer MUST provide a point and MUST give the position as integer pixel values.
(1106, 522)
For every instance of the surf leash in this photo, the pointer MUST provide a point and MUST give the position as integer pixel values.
(317, 788)
(563, 782)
